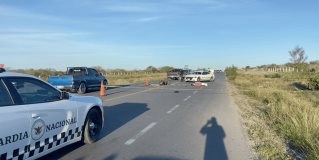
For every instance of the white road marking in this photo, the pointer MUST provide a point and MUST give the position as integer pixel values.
(129, 87)
(195, 92)
(172, 109)
(186, 99)
(141, 133)
(130, 141)
(127, 95)
(173, 84)
(179, 89)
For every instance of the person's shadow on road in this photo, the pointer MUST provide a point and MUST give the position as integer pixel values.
(215, 148)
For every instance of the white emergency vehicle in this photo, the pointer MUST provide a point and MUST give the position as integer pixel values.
(36, 118)
(200, 76)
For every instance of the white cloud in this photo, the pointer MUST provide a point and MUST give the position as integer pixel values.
(58, 44)
(148, 19)
(135, 8)
(13, 12)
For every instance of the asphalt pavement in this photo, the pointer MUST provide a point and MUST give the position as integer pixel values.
(173, 122)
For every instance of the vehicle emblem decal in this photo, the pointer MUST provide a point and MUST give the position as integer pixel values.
(38, 129)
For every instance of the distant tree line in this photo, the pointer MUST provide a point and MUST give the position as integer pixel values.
(298, 60)
(150, 69)
(45, 73)
(41, 73)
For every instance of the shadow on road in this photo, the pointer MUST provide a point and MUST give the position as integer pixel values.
(114, 156)
(118, 115)
(215, 148)
(156, 158)
(96, 89)
(114, 117)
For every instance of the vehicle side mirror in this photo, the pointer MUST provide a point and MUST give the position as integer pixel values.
(64, 95)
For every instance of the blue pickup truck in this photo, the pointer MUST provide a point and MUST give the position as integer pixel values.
(78, 79)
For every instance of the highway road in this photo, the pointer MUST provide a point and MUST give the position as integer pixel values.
(171, 122)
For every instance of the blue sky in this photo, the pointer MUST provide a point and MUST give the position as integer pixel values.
(134, 34)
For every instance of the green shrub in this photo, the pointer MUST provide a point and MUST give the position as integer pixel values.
(231, 72)
(275, 75)
(313, 82)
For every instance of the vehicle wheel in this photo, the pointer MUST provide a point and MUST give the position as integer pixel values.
(105, 83)
(198, 79)
(92, 127)
(82, 88)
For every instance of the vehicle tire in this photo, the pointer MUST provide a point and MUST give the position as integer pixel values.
(105, 83)
(198, 79)
(92, 127)
(82, 88)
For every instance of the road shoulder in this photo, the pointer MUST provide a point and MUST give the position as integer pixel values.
(264, 143)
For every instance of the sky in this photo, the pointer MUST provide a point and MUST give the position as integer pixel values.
(134, 34)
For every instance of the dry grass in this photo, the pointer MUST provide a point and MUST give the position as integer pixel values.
(264, 141)
(282, 121)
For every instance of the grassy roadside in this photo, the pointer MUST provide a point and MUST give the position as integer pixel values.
(281, 121)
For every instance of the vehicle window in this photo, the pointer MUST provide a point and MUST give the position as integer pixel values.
(205, 73)
(94, 72)
(5, 99)
(34, 91)
(76, 71)
(90, 72)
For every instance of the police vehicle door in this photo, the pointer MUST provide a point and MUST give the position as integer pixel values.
(53, 121)
(15, 124)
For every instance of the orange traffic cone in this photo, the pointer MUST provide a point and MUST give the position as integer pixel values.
(146, 82)
(102, 89)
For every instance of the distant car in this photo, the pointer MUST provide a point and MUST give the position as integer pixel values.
(177, 74)
(78, 79)
(36, 118)
(198, 76)
(2, 70)
(218, 71)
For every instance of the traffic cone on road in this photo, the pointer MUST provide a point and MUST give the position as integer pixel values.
(102, 89)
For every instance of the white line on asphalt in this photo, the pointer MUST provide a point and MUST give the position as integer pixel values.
(127, 95)
(141, 133)
(186, 99)
(172, 109)
(131, 87)
(174, 83)
(181, 89)
(195, 92)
